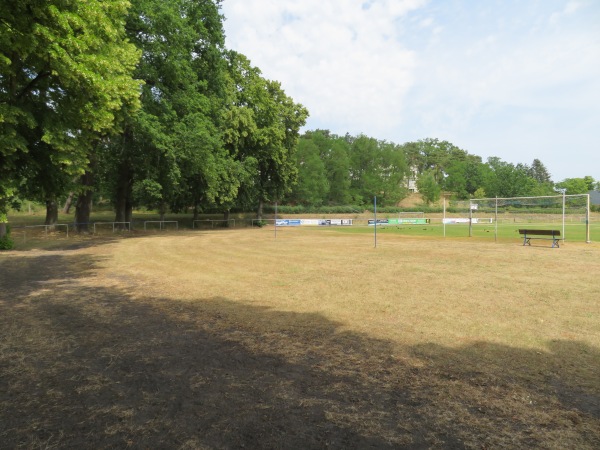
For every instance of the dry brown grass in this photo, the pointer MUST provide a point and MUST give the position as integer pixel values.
(314, 339)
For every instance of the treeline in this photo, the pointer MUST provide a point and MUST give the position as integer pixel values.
(138, 102)
(341, 170)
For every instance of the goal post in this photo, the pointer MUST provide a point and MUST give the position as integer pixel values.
(569, 213)
(411, 214)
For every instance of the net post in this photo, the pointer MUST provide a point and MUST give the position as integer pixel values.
(587, 221)
(444, 216)
(375, 217)
(470, 218)
(564, 192)
(496, 220)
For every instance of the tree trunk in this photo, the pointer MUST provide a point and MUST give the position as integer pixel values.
(83, 207)
(196, 212)
(259, 213)
(129, 213)
(226, 218)
(3, 219)
(67, 208)
(123, 203)
(124, 192)
(162, 210)
(51, 212)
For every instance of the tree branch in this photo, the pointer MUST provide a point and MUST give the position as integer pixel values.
(43, 74)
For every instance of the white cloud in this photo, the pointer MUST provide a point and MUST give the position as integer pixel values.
(340, 59)
(495, 80)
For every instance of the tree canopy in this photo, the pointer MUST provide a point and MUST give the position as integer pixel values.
(66, 80)
(261, 130)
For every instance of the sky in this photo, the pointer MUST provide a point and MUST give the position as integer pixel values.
(515, 79)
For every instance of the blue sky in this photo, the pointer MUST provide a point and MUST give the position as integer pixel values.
(515, 79)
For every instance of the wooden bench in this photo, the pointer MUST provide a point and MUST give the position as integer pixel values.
(552, 235)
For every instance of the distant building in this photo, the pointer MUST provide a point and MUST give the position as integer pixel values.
(411, 182)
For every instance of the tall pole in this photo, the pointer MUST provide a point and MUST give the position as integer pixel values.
(587, 221)
(496, 220)
(564, 192)
(444, 218)
(375, 214)
(470, 219)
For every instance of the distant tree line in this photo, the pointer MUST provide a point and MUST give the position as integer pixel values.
(338, 170)
(139, 102)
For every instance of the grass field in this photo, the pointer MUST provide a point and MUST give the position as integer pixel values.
(504, 232)
(311, 339)
(27, 229)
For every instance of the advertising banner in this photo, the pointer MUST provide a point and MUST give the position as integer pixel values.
(379, 222)
(455, 220)
(337, 222)
(287, 222)
(312, 222)
(411, 221)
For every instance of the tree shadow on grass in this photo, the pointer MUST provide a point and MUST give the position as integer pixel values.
(22, 274)
(26, 239)
(89, 366)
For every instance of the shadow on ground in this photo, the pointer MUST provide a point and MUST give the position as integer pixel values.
(26, 239)
(83, 366)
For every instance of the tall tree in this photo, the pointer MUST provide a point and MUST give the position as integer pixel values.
(168, 154)
(43, 180)
(376, 168)
(428, 187)
(337, 165)
(465, 176)
(364, 171)
(508, 180)
(436, 156)
(574, 185)
(65, 78)
(312, 187)
(590, 182)
(539, 173)
(394, 172)
(334, 151)
(262, 131)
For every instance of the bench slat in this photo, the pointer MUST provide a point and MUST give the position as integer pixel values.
(540, 232)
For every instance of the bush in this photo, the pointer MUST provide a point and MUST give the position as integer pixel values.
(285, 209)
(6, 243)
(348, 209)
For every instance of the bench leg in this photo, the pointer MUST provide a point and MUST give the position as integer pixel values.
(526, 241)
(555, 243)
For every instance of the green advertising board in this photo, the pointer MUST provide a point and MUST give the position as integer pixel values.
(413, 221)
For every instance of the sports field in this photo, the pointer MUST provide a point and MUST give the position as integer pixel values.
(311, 338)
(503, 232)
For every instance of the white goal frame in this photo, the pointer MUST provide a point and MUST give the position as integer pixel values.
(474, 202)
(416, 214)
